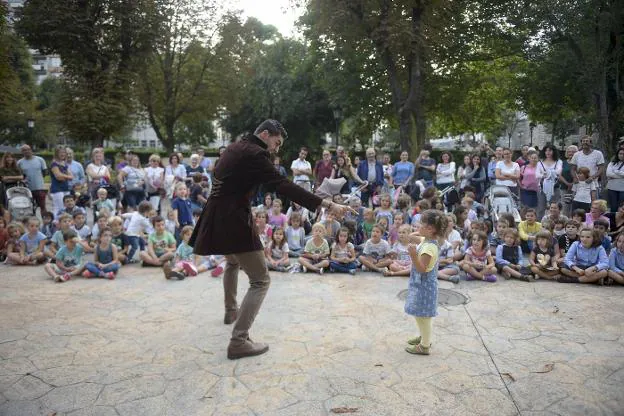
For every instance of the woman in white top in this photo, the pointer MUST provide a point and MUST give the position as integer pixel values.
(549, 168)
(154, 181)
(463, 171)
(131, 180)
(445, 172)
(98, 174)
(508, 172)
(174, 173)
(615, 181)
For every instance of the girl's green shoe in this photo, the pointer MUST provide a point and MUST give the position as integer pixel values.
(414, 341)
(418, 349)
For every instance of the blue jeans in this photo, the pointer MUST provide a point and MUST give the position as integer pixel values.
(135, 243)
(335, 266)
(134, 198)
(96, 270)
(615, 198)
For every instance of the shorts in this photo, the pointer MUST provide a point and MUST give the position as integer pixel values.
(188, 267)
(450, 267)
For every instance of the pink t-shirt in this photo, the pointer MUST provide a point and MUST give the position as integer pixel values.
(529, 179)
(589, 220)
(280, 220)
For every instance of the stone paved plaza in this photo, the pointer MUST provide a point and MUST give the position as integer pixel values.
(142, 345)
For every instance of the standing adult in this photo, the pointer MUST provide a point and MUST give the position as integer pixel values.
(524, 157)
(76, 169)
(463, 171)
(498, 157)
(508, 172)
(549, 169)
(302, 170)
(387, 170)
(195, 167)
(323, 168)
(226, 225)
(278, 166)
(34, 169)
(176, 170)
(339, 152)
(204, 162)
(477, 177)
(154, 181)
(344, 169)
(10, 175)
(592, 159)
(615, 181)
(529, 181)
(98, 174)
(60, 177)
(370, 170)
(131, 180)
(403, 171)
(445, 171)
(425, 167)
(566, 180)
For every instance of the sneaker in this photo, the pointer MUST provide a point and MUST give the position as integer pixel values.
(110, 276)
(132, 261)
(321, 270)
(177, 276)
(364, 269)
(454, 279)
(527, 277)
(167, 270)
(87, 274)
(352, 272)
(303, 269)
(536, 276)
(384, 271)
(489, 278)
(216, 272)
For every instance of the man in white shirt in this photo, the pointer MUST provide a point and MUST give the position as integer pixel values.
(590, 158)
(302, 170)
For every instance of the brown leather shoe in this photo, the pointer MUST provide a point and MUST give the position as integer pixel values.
(246, 349)
(230, 317)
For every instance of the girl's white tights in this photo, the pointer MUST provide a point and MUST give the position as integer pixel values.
(425, 325)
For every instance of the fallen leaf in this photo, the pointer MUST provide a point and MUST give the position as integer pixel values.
(547, 369)
(52, 414)
(379, 365)
(508, 375)
(556, 309)
(344, 410)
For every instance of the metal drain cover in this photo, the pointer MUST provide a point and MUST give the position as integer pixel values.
(445, 297)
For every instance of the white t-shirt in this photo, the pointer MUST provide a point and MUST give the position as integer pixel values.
(507, 170)
(401, 251)
(137, 225)
(445, 173)
(582, 191)
(590, 161)
(454, 236)
(278, 253)
(154, 178)
(342, 253)
(301, 165)
(376, 251)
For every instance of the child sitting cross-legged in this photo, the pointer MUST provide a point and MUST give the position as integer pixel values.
(447, 268)
(295, 235)
(316, 251)
(68, 259)
(401, 261)
(119, 238)
(276, 252)
(586, 261)
(138, 225)
(478, 262)
(161, 245)
(105, 262)
(566, 240)
(58, 239)
(616, 261)
(375, 255)
(15, 231)
(509, 256)
(184, 263)
(32, 244)
(342, 258)
(543, 257)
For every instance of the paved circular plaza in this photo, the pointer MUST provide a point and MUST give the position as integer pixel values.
(142, 345)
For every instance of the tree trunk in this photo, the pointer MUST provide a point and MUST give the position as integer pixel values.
(603, 111)
(405, 130)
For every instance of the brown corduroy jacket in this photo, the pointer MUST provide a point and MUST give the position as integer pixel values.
(226, 225)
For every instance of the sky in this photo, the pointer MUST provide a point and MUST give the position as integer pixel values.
(279, 13)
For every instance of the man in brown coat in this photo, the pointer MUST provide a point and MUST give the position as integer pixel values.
(226, 225)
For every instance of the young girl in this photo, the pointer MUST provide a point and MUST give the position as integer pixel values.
(584, 193)
(32, 243)
(264, 230)
(385, 208)
(447, 268)
(268, 203)
(170, 224)
(295, 235)
(401, 260)
(276, 252)
(586, 261)
(305, 216)
(184, 258)
(383, 223)
(422, 295)
(316, 251)
(616, 261)
(342, 258)
(509, 255)
(478, 262)
(15, 230)
(421, 206)
(393, 235)
(276, 217)
(368, 223)
(543, 258)
(105, 261)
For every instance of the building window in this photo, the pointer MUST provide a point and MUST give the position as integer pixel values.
(143, 143)
(152, 143)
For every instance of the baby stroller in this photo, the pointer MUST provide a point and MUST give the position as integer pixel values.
(499, 200)
(450, 196)
(20, 202)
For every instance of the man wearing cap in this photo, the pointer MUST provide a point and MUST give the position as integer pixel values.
(226, 225)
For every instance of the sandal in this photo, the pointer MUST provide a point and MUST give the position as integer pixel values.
(418, 349)
(414, 341)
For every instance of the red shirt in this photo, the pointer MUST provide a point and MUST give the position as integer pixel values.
(323, 170)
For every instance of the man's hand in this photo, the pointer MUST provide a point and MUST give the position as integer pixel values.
(340, 210)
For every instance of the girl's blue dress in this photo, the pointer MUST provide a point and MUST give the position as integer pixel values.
(422, 293)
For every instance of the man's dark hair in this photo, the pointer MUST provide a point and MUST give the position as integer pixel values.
(274, 128)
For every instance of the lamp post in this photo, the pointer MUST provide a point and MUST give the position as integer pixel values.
(337, 116)
(531, 127)
(31, 126)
